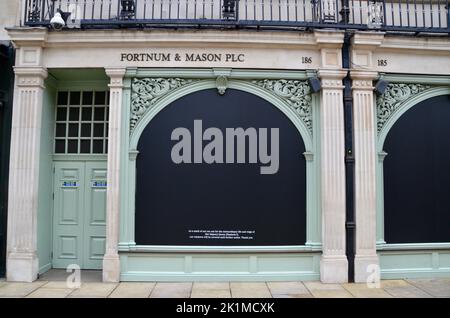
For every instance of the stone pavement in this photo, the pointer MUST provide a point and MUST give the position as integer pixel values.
(53, 285)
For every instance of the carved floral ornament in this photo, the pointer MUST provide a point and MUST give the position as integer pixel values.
(146, 92)
(394, 96)
(297, 94)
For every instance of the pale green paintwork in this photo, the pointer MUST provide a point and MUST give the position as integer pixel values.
(219, 267)
(419, 259)
(80, 157)
(274, 264)
(414, 264)
(79, 214)
(45, 206)
(63, 80)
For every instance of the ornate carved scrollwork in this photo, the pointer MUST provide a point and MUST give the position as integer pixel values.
(146, 92)
(393, 97)
(297, 94)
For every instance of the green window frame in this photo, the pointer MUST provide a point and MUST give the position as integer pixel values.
(81, 122)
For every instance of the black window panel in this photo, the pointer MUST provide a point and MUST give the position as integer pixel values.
(72, 146)
(85, 130)
(88, 98)
(230, 197)
(106, 130)
(74, 98)
(60, 146)
(99, 130)
(97, 146)
(62, 98)
(86, 114)
(100, 98)
(61, 114)
(99, 114)
(73, 130)
(60, 130)
(85, 146)
(417, 175)
(74, 114)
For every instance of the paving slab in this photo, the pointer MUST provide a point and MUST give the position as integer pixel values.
(363, 291)
(59, 285)
(211, 290)
(403, 289)
(10, 289)
(250, 290)
(292, 296)
(87, 276)
(285, 289)
(94, 290)
(320, 290)
(212, 293)
(133, 290)
(435, 287)
(172, 290)
(50, 293)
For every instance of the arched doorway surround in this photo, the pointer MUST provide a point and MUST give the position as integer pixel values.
(290, 94)
(405, 259)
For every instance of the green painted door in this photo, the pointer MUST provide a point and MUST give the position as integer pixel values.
(79, 219)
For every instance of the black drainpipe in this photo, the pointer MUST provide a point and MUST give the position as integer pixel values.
(349, 160)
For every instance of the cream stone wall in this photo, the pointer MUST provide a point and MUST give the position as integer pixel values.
(9, 16)
(374, 51)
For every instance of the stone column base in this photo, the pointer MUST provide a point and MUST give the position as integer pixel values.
(367, 267)
(111, 268)
(334, 269)
(22, 267)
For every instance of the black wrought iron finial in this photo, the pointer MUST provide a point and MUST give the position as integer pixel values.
(229, 9)
(128, 9)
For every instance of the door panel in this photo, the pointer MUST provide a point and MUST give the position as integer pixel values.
(79, 214)
(95, 215)
(67, 217)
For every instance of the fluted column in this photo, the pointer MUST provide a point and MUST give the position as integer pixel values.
(333, 265)
(365, 174)
(22, 261)
(111, 262)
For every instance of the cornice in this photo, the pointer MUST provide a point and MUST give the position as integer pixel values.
(420, 44)
(363, 75)
(328, 38)
(164, 38)
(332, 74)
(26, 36)
(368, 40)
(31, 71)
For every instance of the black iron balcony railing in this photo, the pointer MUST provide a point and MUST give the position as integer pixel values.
(387, 15)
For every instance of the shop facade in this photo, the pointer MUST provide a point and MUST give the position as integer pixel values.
(120, 156)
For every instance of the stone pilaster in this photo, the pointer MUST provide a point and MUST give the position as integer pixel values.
(111, 262)
(22, 261)
(333, 265)
(365, 174)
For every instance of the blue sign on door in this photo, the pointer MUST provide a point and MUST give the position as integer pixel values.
(69, 184)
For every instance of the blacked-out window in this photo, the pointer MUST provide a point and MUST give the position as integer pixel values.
(81, 122)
